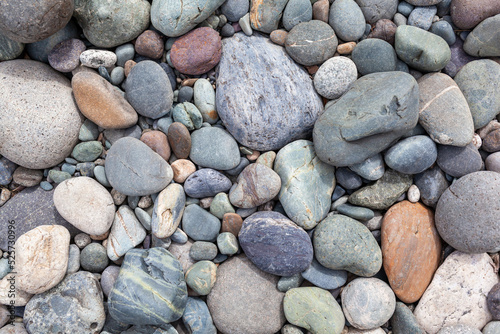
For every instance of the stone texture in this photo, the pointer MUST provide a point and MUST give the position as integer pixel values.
(252, 114)
(265, 15)
(457, 293)
(374, 10)
(65, 56)
(149, 44)
(158, 142)
(297, 11)
(15, 328)
(459, 161)
(483, 40)
(126, 233)
(491, 143)
(335, 76)
(404, 322)
(431, 184)
(466, 14)
(9, 49)
(50, 126)
(168, 210)
(199, 224)
(385, 30)
(347, 20)
(234, 10)
(180, 140)
(204, 100)
(214, 148)
(493, 301)
(458, 58)
(459, 329)
(374, 55)
(412, 155)
(201, 277)
(197, 317)
(206, 182)
(323, 277)
(27, 177)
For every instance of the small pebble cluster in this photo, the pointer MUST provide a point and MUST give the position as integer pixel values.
(249, 167)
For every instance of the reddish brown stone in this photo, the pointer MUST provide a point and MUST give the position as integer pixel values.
(158, 142)
(278, 36)
(411, 249)
(197, 52)
(491, 142)
(129, 64)
(231, 222)
(149, 44)
(321, 10)
(466, 14)
(384, 29)
(179, 139)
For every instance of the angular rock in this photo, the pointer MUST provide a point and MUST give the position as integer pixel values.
(168, 210)
(483, 41)
(126, 233)
(214, 148)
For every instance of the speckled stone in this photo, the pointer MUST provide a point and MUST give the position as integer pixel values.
(404, 322)
(65, 56)
(201, 277)
(214, 148)
(96, 58)
(335, 76)
(93, 258)
(492, 327)
(431, 183)
(374, 55)
(483, 40)
(199, 224)
(206, 182)
(459, 329)
(467, 14)
(459, 161)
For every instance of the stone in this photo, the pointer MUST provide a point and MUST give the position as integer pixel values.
(347, 20)
(374, 10)
(9, 49)
(113, 135)
(41, 258)
(85, 204)
(203, 250)
(321, 10)
(313, 309)
(493, 301)
(323, 277)
(150, 288)
(431, 184)
(93, 258)
(385, 30)
(286, 283)
(335, 76)
(422, 17)
(421, 49)
(404, 322)
(334, 243)
(101, 103)
(58, 176)
(275, 244)
(458, 58)
(411, 250)
(7, 169)
(444, 112)
(483, 40)
(459, 329)
(126, 233)
(374, 55)
(65, 56)
(196, 52)
(199, 224)
(371, 169)
(423, 2)
(73, 259)
(478, 82)
(227, 243)
(311, 43)
(256, 185)
(148, 90)
(88, 131)
(265, 15)
(96, 58)
(467, 14)
(368, 302)
(206, 183)
(253, 113)
(108, 278)
(296, 11)
(158, 142)
(14, 328)
(73, 306)
(149, 44)
(459, 161)
(197, 317)
(465, 213)
(213, 147)
(133, 169)
(457, 293)
(87, 151)
(182, 169)
(232, 223)
(181, 252)
(244, 299)
(383, 193)
(204, 100)
(109, 24)
(234, 10)
(168, 210)
(350, 131)
(8, 288)
(221, 205)
(412, 155)
(491, 141)
(50, 126)
(492, 162)
(175, 18)
(492, 327)
(201, 277)
(278, 36)
(180, 140)
(356, 212)
(444, 30)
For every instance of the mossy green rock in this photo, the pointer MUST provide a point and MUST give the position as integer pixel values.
(314, 309)
(343, 243)
(87, 151)
(220, 205)
(421, 49)
(150, 288)
(201, 277)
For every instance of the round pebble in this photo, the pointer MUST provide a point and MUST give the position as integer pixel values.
(334, 77)
(94, 258)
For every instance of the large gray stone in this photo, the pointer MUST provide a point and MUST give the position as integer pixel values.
(252, 110)
(214, 148)
(484, 40)
(374, 10)
(347, 19)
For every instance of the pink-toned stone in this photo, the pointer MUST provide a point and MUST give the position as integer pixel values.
(321, 9)
(149, 44)
(158, 142)
(182, 168)
(466, 14)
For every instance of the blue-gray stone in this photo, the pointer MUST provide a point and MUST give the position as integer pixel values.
(86, 169)
(484, 41)
(100, 175)
(402, 66)
(199, 224)
(337, 193)
(432, 183)
(179, 236)
(275, 244)
(123, 53)
(5, 267)
(227, 30)
(356, 212)
(103, 72)
(163, 243)
(444, 30)
(150, 288)
(133, 169)
(46, 186)
(220, 258)
(412, 155)
(93, 258)
(187, 114)
(371, 169)
(213, 147)
(148, 90)
(164, 123)
(374, 10)
(405, 8)
(170, 73)
(234, 10)
(347, 20)
(297, 11)
(493, 327)
(221, 205)
(71, 160)
(459, 161)
(133, 201)
(206, 183)
(342, 243)
(74, 260)
(348, 179)
(227, 243)
(374, 55)
(9, 49)
(58, 176)
(307, 183)
(197, 318)
(237, 170)
(422, 17)
(7, 168)
(144, 218)
(203, 250)
(289, 282)
(185, 94)
(177, 17)
(112, 135)
(323, 277)
(443, 8)
(126, 233)
(252, 110)
(376, 110)
(164, 329)
(117, 75)
(87, 151)
(88, 131)
(265, 15)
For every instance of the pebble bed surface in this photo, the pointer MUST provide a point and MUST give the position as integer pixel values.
(249, 167)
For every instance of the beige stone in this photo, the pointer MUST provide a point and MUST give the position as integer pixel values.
(18, 328)
(182, 168)
(9, 284)
(168, 211)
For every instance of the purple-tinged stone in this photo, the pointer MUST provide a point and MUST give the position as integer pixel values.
(65, 56)
(458, 58)
(206, 182)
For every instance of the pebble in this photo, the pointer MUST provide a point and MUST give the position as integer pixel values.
(7, 169)
(355, 212)
(467, 14)
(179, 139)
(234, 10)
(492, 162)
(403, 321)
(384, 29)
(405, 8)
(187, 114)
(323, 277)
(108, 278)
(374, 55)
(413, 194)
(371, 169)
(126, 233)
(493, 301)
(182, 169)
(221, 205)
(245, 24)
(347, 179)
(412, 155)
(96, 58)
(459, 161)
(185, 94)
(93, 258)
(221, 154)
(458, 58)
(490, 143)
(65, 56)
(492, 327)
(334, 240)
(232, 223)
(444, 30)
(57, 176)
(347, 20)
(197, 318)
(201, 277)
(321, 10)
(168, 210)
(87, 151)
(149, 44)
(227, 30)
(368, 302)
(73, 259)
(204, 99)
(265, 16)
(374, 10)
(422, 16)
(314, 309)
(88, 131)
(113, 135)
(235, 301)
(227, 243)
(9, 49)
(479, 42)
(199, 224)
(399, 20)
(203, 250)
(296, 11)
(286, 283)
(85, 204)
(334, 77)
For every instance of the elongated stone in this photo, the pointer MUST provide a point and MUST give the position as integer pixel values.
(168, 210)
(126, 233)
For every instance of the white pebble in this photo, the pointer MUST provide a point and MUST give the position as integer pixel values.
(413, 194)
(244, 23)
(96, 58)
(477, 141)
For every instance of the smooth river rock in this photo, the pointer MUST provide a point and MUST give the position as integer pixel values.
(466, 14)
(483, 41)
(168, 210)
(266, 14)
(214, 148)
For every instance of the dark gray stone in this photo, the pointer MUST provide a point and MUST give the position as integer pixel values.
(296, 11)
(493, 301)
(237, 170)
(444, 30)
(206, 183)
(150, 288)
(484, 40)
(323, 277)
(265, 15)
(412, 155)
(404, 322)
(374, 55)
(252, 110)
(374, 10)
(112, 135)
(459, 161)
(377, 110)
(347, 20)
(185, 94)
(94, 258)
(7, 168)
(275, 244)
(347, 178)
(234, 10)
(197, 318)
(431, 183)
(213, 147)
(422, 17)
(199, 224)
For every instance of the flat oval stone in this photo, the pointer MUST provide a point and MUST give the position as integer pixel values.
(96, 58)
(335, 76)
(411, 251)
(465, 213)
(50, 126)
(235, 301)
(297, 11)
(441, 306)
(459, 161)
(158, 142)
(342, 243)
(87, 151)
(150, 288)
(199, 224)
(483, 40)
(265, 15)
(126, 233)
(307, 183)
(252, 114)
(214, 148)
(311, 43)
(168, 210)
(353, 129)
(133, 169)
(275, 244)
(201, 277)
(431, 183)
(197, 317)
(421, 49)
(374, 55)
(206, 183)
(313, 309)
(347, 20)
(204, 99)
(412, 155)
(467, 14)
(180, 140)
(478, 81)
(374, 10)
(323, 277)
(203, 250)
(101, 103)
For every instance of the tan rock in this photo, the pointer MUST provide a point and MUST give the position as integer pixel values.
(411, 249)
(10, 292)
(279, 36)
(17, 328)
(27, 177)
(158, 142)
(346, 48)
(168, 210)
(182, 169)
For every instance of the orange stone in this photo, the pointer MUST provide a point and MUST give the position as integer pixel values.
(411, 249)
(346, 48)
(182, 168)
(231, 222)
(158, 142)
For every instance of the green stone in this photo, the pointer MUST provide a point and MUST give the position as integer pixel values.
(58, 176)
(9, 49)
(314, 309)
(203, 250)
(356, 212)
(87, 151)
(383, 193)
(201, 277)
(187, 114)
(221, 205)
(404, 322)
(484, 40)
(289, 282)
(227, 243)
